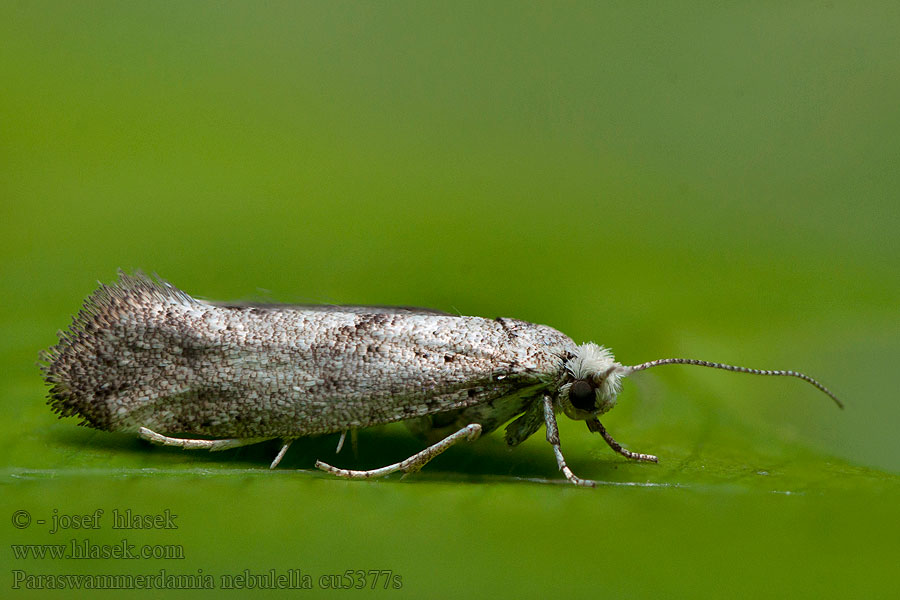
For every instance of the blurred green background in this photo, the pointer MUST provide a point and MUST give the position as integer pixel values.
(709, 180)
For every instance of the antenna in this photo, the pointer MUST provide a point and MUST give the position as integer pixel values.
(704, 363)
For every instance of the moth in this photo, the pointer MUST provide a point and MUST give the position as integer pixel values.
(142, 356)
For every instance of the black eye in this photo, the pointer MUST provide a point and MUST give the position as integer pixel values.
(581, 395)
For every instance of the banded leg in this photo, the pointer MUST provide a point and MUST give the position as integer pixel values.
(553, 438)
(411, 464)
(189, 444)
(595, 426)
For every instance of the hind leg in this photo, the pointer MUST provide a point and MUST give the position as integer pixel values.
(212, 445)
(189, 444)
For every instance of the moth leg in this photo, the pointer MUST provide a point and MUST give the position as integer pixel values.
(553, 438)
(189, 444)
(411, 464)
(354, 441)
(341, 442)
(287, 444)
(596, 427)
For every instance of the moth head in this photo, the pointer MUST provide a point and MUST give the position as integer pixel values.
(591, 382)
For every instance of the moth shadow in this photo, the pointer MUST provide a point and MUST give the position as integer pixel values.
(487, 459)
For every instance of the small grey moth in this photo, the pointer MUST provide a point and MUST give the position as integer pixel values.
(143, 356)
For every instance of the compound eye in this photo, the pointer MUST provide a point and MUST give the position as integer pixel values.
(581, 395)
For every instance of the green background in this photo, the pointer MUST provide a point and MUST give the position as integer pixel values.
(712, 180)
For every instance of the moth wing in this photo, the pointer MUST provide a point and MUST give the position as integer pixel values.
(349, 308)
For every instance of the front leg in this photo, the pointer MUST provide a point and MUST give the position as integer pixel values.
(595, 426)
(553, 438)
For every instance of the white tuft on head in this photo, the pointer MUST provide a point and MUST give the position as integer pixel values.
(597, 363)
(589, 360)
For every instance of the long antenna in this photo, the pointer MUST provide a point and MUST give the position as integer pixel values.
(704, 363)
